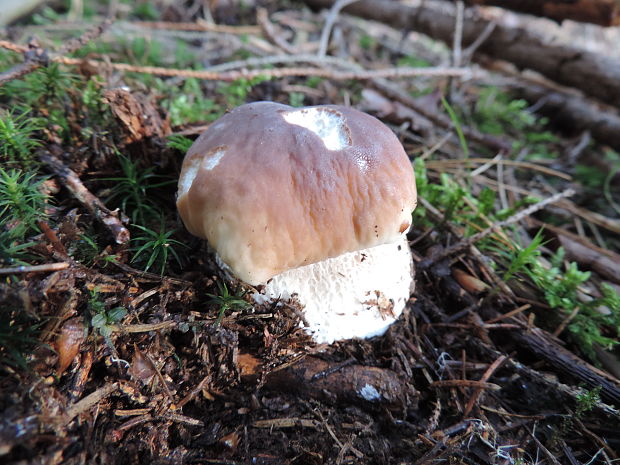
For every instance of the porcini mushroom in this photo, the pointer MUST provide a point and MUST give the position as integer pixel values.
(307, 203)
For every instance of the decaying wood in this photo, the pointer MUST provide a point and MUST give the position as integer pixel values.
(605, 262)
(111, 219)
(139, 117)
(573, 112)
(559, 357)
(566, 65)
(349, 383)
(603, 12)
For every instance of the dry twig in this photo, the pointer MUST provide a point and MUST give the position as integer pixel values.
(89, 401)
(329, 24)
(35, 57)
(71, 180)
(46, 267)
(487, 374)
(403, 72)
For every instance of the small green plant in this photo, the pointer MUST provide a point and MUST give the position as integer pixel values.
(12, 250)
(17, 138)
(498, 113)
(146, 11)
(46, 15)
(367, 42)
(154, 248)
(413, 62)
(86, 249)
(587, 401)
(457, 126)
(560, 285)
(144, 51)
(104, 321)
(314, 81)
(180, 143)
(22, 201)
(226, 301)
(189, 104)
(296, 99)
(522, 256)
(48, 85)
(446, 194)
(18, 335)
(132, 192)
(236, 92)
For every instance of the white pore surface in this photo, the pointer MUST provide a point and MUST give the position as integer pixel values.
(328, 124)
(358, 294)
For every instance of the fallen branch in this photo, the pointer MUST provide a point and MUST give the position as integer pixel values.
(350, 383)
(200, 26)
(564, 392)
(574, 113)
(543, 346)
(35, 57)
(566, 65)
(602, 12)
(111, 219)
(393, 73)
(209, 75)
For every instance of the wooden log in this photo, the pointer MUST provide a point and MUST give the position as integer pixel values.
(345, 383)
(573, 113)
(593, 74)
(602, 12)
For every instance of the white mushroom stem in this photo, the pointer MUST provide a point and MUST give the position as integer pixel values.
(357, 294)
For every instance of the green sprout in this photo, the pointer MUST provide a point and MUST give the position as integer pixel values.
(22, 201)
(17, 140)
(18, 331)
(104, 321)
(132, 191)
(227, 301)
(180, 143)
(457, 126)
(156, 247)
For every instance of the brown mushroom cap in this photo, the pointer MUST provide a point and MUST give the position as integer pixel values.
(270, 194)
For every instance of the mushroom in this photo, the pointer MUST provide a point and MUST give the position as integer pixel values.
(311, 204)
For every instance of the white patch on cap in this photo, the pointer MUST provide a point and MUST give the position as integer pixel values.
(213, 159)
(328, 124)
(191, 170)
(370, 393)
(208, 162)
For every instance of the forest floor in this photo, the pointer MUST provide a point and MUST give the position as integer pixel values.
(120, 341)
